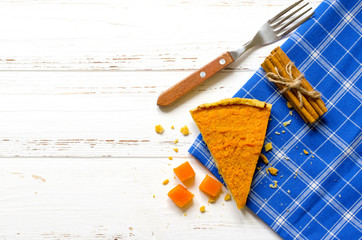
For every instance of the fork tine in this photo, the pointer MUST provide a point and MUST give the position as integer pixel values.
(292, 21)
(287, 17)
(284, 11)
(296, 25)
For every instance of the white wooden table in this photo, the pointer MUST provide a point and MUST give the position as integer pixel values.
(79, 82)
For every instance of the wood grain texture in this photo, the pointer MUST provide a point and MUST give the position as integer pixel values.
(79, 82)
(194, 79)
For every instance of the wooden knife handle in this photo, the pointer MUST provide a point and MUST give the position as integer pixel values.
(193, 80)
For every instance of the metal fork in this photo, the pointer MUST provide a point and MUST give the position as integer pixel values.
(273, 30)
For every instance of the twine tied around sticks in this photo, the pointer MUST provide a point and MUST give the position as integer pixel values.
(292, 83)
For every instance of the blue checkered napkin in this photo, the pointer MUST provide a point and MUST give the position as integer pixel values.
(319, 194)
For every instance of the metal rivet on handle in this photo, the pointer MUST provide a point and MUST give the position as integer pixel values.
(202, 74)
(222, 61)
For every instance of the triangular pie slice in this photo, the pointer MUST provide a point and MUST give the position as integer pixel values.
(234, 130)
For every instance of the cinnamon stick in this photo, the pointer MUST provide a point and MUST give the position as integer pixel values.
(306, 116)
(284, 74)
(284, 60)
(317, 104)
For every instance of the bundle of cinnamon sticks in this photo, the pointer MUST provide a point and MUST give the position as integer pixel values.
(309, 108)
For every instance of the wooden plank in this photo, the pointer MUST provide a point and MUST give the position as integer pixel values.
(129, 35)
(100, 114)
(111, 199)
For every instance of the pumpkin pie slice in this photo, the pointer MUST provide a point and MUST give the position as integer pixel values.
(234, 130)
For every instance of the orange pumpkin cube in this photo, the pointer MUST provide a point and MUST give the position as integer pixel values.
(180, 195)
(184, 172)
(210, 186)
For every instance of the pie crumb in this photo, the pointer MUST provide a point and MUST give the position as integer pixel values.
(286, 123)
(275, 184)
(291, 113)
(165, 182)
(175, 149)
(170, 158)
(288, 191)
(176, 141)
(185, 130)
(264, 158)
(159, 129)
(277, 133)
(289, 105)
(172, 127)
(227, 197)
(273, 171)
(268, 147)
(211, 200)
(202, 209)
(283, 131)
(305, 152)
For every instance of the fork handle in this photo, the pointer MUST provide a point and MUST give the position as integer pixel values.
(193, 80)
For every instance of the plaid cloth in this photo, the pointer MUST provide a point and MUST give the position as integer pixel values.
(318, 194)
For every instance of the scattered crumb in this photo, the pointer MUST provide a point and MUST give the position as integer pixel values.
(296, 147)
(283, 131)
(286, 123)
(172, 127)
(339, 195)
(266, 170)
(288, 191)
(312, 156)
(35, 192)
(211, 200)
(185, 130)
(287, 210)
(277, 133)
(268, 147)
(185, 214)
(273, 171)
(227, 197)
(159, 129)
(264, 158)
(165, 182)
(281, 176)
(289, 105)
(295, 177)
(154, 196)
(275, 184)
(175, 149)
(170, 158)
(291, 113)
(286, 158)
(176, 141)
(258, 168)
(202, 209)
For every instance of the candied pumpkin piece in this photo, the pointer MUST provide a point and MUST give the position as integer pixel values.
(184, 172)
(210, 186)
(180, 195)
